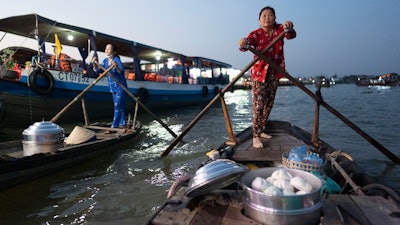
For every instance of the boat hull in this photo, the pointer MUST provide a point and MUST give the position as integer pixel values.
(21, 105)
(20, 169)
(234, 205)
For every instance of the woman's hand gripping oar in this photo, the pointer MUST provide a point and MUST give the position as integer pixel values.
(81, 94)
(217, 96)
(380, 147)
(136, 99)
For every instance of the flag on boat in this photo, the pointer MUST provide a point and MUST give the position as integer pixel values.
(58, 46)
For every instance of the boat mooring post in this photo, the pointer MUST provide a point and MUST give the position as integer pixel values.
(135, 115)
(300, 85)
(314, 136)
(85, 114)
(228, 123)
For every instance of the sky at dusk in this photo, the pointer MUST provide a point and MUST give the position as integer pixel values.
(333, 37)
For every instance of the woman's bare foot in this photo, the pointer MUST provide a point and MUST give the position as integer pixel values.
(265, 136)
(257, 143)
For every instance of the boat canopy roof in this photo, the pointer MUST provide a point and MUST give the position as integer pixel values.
(38, 27)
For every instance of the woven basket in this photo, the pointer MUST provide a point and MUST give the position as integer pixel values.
(301, 165)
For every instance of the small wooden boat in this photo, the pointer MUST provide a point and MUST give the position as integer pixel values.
(31, 158)
(226, 189)
(358, 198)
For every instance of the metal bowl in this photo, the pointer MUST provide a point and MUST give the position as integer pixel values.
(217, 174)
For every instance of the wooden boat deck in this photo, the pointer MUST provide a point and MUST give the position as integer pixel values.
(272, 150)
(225, 206)
(17, 168)
(14, 149)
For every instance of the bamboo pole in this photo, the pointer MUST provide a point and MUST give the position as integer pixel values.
(300, 85)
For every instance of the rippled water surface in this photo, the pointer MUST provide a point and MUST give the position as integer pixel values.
(127, 185)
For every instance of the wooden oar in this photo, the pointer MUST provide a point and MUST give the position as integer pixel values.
(216, 97)
(56, 117)
(380, 147)
(140, 103)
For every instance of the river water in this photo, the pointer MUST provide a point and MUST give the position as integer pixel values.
(127, 185)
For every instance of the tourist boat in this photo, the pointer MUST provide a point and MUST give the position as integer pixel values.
(46, 148)
(390, 79)
(238, 184)
(33, 90)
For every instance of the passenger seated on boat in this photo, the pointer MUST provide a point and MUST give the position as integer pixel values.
(62, 63)
(164, 70)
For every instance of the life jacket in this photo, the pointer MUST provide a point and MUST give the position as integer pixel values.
(64, 64)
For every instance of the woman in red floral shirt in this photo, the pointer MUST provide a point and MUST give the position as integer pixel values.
(264, 79)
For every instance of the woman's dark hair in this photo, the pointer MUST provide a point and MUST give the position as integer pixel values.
(115, 50)
(265, 8)
(113, 47)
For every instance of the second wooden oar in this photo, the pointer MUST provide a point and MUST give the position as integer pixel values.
(380, 147)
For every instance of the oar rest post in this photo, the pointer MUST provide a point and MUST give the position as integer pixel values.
(314, 137)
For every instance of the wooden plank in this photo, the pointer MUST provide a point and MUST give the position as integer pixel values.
(367, 210)
(378, 210)
(329, 213)
(235, 216)
(272, 151)
(209, 215)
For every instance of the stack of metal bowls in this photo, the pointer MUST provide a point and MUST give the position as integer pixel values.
(42, 137)
(302, 209)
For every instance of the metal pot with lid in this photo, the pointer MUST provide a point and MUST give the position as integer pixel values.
(299, 209)
(42, 137)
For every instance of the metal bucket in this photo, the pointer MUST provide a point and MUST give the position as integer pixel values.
(42, 137)
(291, 209)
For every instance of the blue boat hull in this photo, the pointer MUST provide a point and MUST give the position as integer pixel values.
(21, 105)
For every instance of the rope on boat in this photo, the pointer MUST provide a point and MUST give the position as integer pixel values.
(356, 188)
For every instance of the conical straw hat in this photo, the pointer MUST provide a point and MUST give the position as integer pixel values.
(79, 135)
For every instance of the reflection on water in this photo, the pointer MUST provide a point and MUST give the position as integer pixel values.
(127, 186)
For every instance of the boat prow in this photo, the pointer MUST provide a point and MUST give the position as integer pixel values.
(346, 187)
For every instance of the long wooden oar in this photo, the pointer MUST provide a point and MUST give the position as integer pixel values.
(380, 147)
(140, 103)
(216, 97)
(56, 117)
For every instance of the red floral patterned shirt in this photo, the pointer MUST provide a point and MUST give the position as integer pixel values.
(259, 39)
